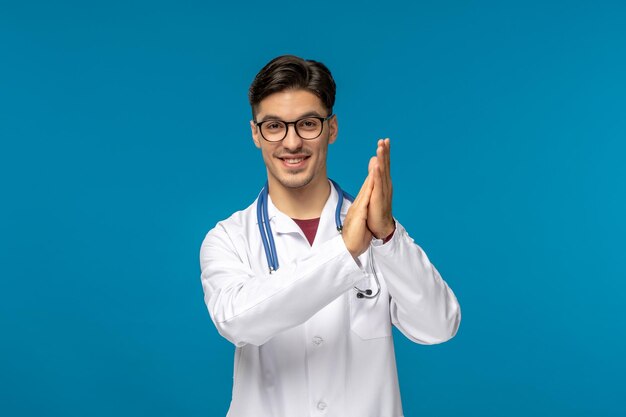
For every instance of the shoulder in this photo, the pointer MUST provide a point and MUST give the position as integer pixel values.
(229, 238)
(238, 223)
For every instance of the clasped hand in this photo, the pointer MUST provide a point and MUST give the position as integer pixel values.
(370, 213)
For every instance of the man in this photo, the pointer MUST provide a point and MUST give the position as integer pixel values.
(308, 297)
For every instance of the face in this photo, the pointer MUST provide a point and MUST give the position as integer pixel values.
(294, 162)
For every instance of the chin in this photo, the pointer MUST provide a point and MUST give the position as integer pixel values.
(295, 180)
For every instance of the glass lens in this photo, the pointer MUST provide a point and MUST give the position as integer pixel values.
(309, 128)
(273, 130)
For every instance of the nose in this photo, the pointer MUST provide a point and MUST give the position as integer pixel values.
(292, 141)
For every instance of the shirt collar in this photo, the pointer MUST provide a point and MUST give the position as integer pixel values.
(281, 223)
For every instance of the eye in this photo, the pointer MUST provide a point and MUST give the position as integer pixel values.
(309, 124)
(273, 125)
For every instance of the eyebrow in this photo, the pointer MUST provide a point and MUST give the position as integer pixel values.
(274, 117)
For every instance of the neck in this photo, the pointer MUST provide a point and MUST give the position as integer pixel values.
(300, 203)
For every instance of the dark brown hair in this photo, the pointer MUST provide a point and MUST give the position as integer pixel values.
(291, 72)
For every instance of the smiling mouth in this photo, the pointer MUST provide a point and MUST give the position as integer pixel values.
(294, 160)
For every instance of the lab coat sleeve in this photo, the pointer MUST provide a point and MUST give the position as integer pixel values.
(422, 305)
(249, 308)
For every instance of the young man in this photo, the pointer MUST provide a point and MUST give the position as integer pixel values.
(306, 283)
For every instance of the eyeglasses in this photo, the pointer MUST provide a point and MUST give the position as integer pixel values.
(307, 128)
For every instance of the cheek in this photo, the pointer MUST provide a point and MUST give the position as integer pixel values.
(267, 154)
(322, 152)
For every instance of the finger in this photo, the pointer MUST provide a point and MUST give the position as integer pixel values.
(364, 196)
(384, 154)
(369, 187)
(387, 155)
(387, 164)
(375, 173)
(372, 163)
(378, 191)
(381, 157)
(363, 191)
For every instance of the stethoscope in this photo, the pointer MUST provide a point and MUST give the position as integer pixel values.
(270, 247)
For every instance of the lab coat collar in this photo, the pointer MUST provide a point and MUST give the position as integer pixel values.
(281, 223)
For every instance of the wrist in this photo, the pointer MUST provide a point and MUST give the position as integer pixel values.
(390, 235)
(386, 233)
(353, 252)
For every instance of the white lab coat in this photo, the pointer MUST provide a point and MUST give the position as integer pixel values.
(305, 344)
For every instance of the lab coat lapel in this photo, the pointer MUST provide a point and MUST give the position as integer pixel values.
(327, 229)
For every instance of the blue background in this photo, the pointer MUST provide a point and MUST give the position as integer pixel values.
(124, 139)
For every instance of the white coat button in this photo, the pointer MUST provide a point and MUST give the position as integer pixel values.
(318, 340)
(321, 405)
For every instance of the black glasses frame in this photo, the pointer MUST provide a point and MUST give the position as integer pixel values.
(295, 126)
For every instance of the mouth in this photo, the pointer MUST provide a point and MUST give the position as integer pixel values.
(294, 161)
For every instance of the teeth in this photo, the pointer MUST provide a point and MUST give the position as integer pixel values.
(294, 161)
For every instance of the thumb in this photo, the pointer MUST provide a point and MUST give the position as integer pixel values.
(372, 164)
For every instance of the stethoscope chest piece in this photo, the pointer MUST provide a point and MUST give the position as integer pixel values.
(368, 293)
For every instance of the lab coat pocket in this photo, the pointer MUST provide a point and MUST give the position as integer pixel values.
(369, 317)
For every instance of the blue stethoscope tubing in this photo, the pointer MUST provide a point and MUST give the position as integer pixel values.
(270, 246)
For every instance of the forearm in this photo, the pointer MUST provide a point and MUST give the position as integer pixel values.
(422, 305)
(252, 308)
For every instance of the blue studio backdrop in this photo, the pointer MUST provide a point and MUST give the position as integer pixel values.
(124, 138)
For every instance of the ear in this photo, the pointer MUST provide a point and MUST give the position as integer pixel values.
(333, 128)
(255, 134)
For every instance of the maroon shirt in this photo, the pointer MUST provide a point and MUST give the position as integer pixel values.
(309, 228)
